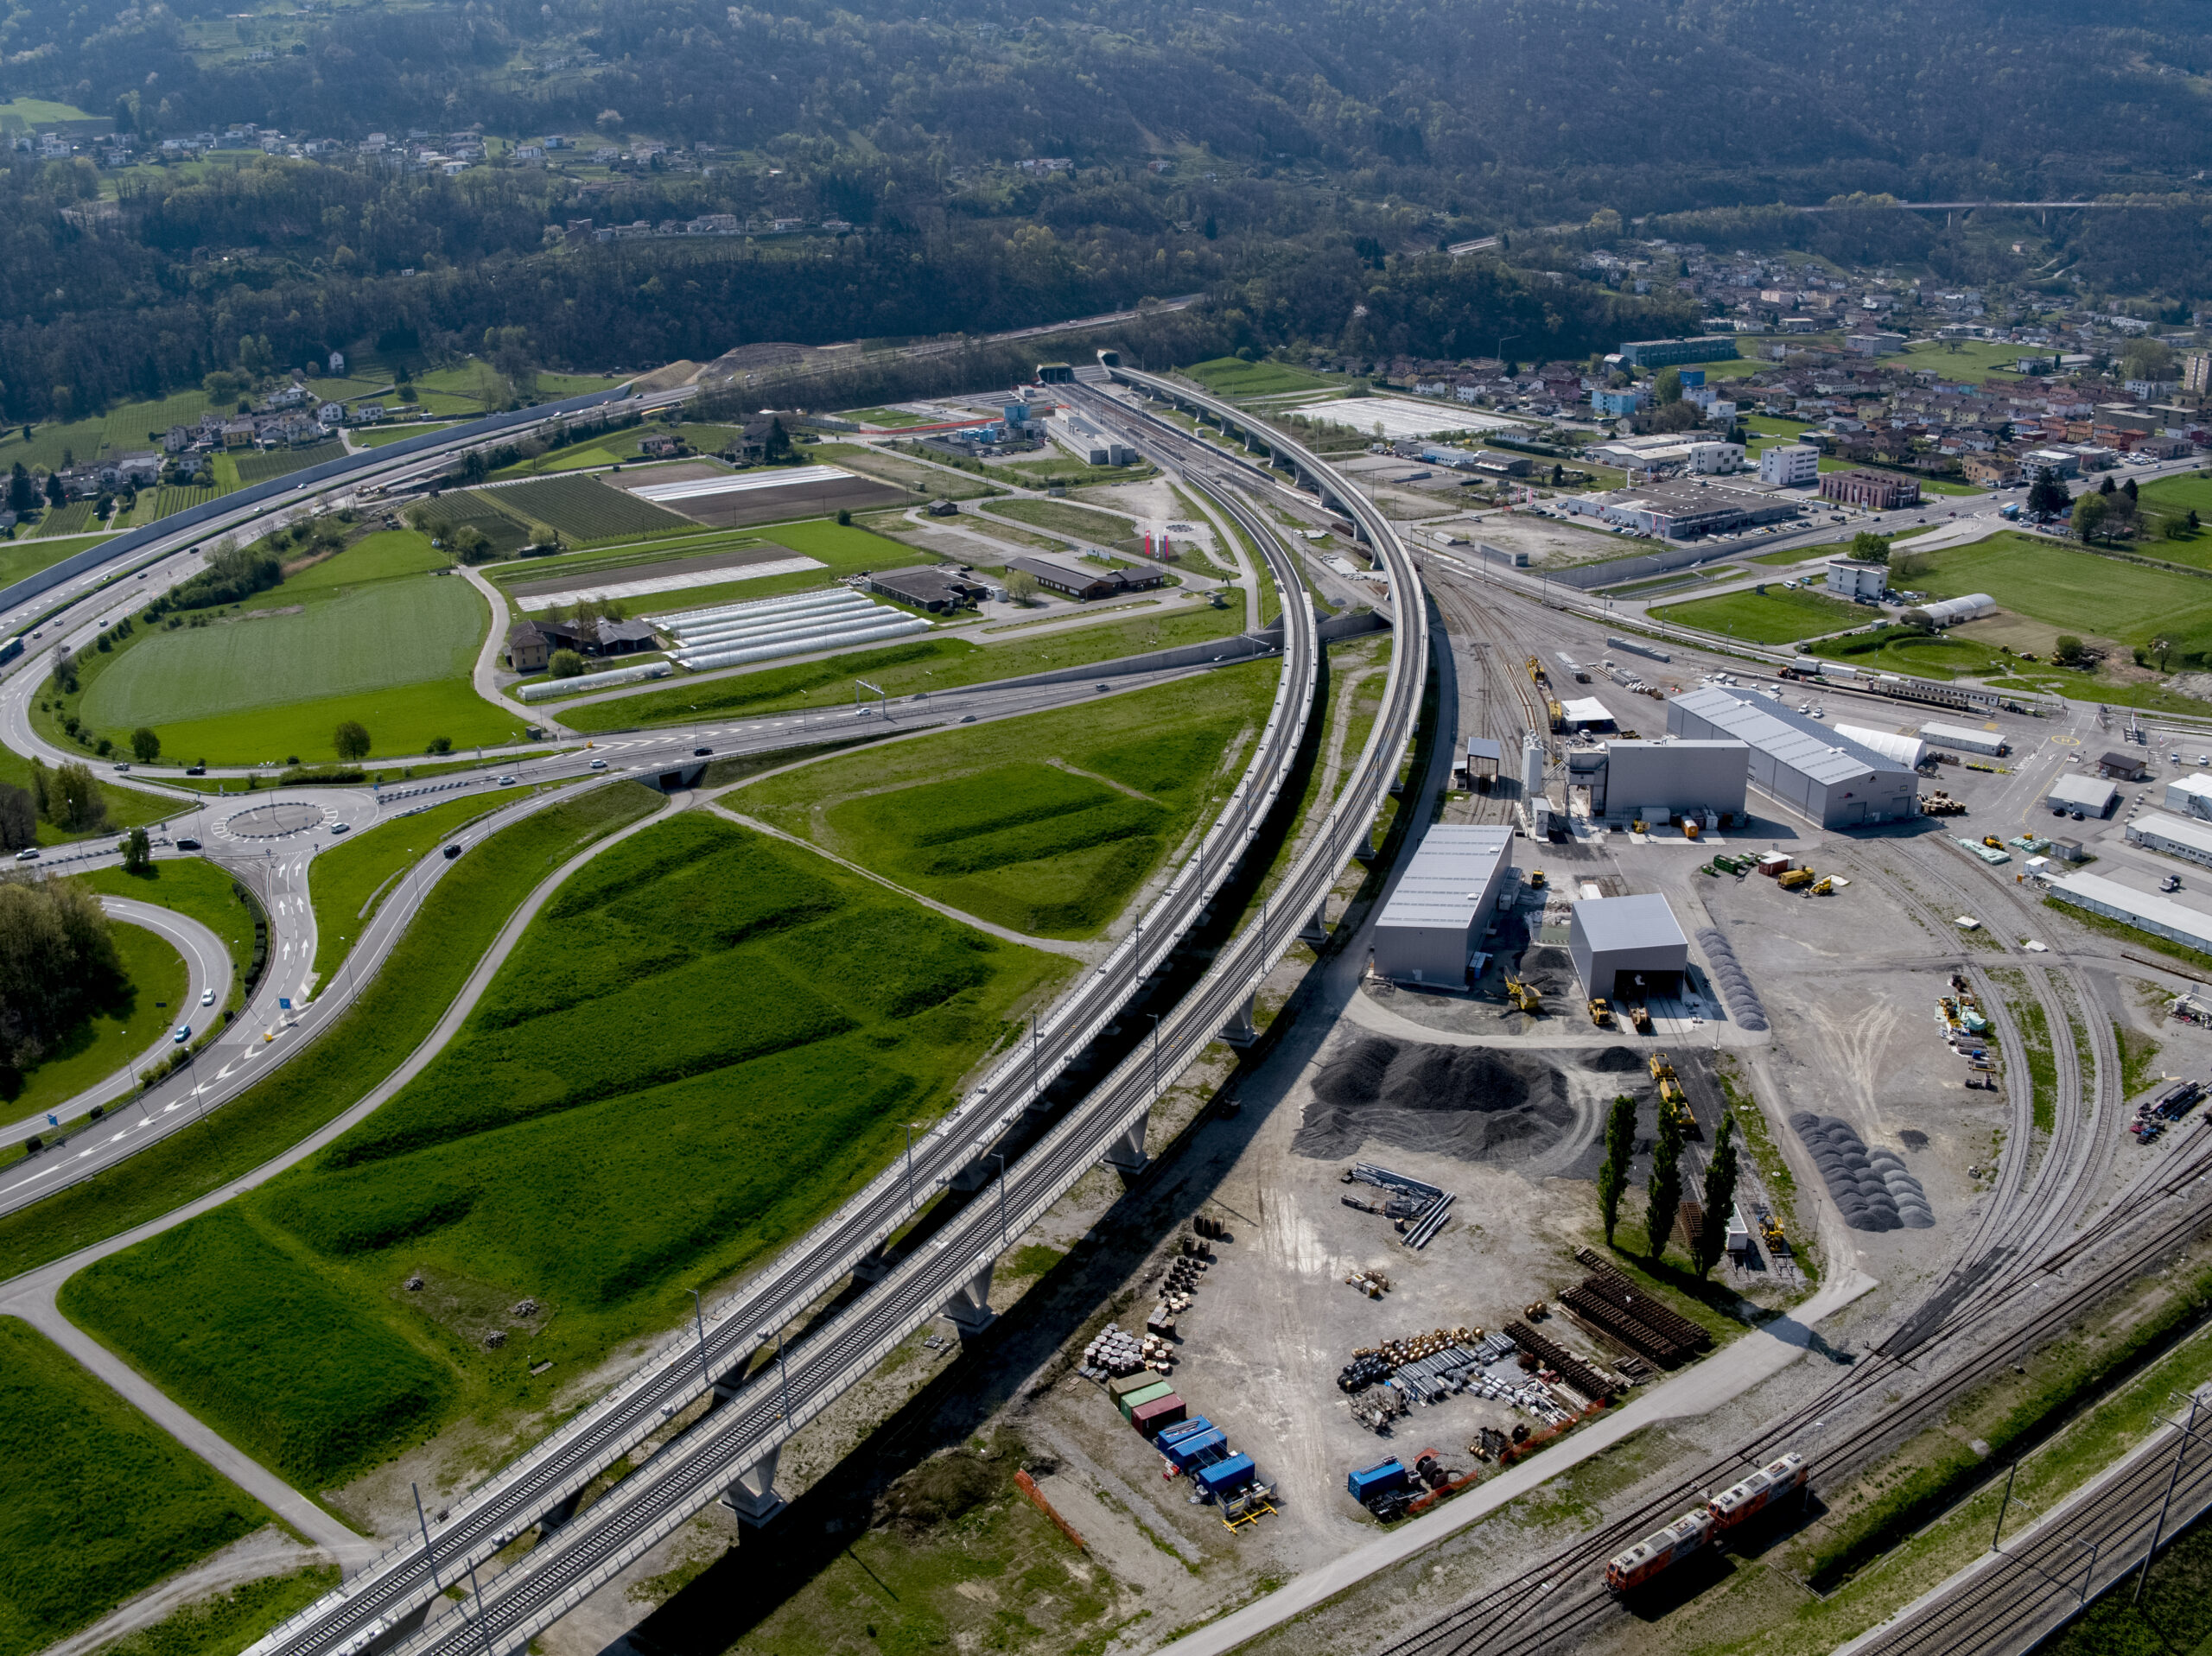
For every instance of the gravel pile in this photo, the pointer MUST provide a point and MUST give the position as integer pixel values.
(1872, 1188)
(1476, 1103)
(1734, 982)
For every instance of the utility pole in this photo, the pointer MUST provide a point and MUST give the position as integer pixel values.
(999, 1156)
(699, 1315)
(429, 1550)
(2159, 1528)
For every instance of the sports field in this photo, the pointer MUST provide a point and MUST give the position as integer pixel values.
(706, 1040)
(99, 1503)
(2078, 592)
(1779, 615)
(1045, 823)
(1233, 377)
(366, 635)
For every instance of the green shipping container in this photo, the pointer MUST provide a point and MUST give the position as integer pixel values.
(1130, 1402)
(1122, 1385)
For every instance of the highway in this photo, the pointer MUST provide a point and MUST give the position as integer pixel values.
(741, 1434)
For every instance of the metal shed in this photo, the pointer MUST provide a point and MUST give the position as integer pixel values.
(2091, 796)
(1816, 771)
(1484, 756)
(1671, 777)
(1965, 738)
(1628, 947)
(1442, 904)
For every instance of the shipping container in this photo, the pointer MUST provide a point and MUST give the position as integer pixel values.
(1128, 1401)
(1226, 1477)
(1199, 1449)
(1378, 1480)
(1123, 1385)
(1161, 1411)
(1189, 1428)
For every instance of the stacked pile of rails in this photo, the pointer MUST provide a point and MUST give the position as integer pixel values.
(768, 628)
(1418, 1209)
(1609, 1302)
(1574, 1374)
(2151, 1115)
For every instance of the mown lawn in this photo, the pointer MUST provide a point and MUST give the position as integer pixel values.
(1233, 377)
(706, 1040)
(1045, 823)
(2078, 592)
(403, 1003)
(98, 1503)
(1085, 523)
(931, 664)
(349, 882)
(1779, 615)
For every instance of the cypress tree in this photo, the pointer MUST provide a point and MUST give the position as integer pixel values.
(1620, 1146)
(1666, 1184)
(1719, 1197)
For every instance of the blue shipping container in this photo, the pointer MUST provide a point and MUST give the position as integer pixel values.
(1378, 1480)
(1227, 1477)
(1201, 1450)
(1183, 1428)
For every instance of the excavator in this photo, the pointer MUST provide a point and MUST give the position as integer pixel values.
(1524, 996)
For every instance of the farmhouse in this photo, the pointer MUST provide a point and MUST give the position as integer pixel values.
(936, 589)
(1085, 584)
(530, 644)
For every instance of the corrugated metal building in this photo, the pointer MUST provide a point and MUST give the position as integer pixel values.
(1627, 949)
(2190, 795)
(2177, 836)
(1800, 761)
(1671, 777)
(2091, 796)
(2162, 916)
(1965, 737)
(1442, 904)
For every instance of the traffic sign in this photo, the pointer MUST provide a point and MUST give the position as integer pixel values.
(283, 1002)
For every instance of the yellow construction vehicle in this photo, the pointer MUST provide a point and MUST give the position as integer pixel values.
(1641, 1018)
(1555, 713)
(1772, 1231)
(1797, 879)
(1536, 879)
(1523, 997)
(1673, 1100)
(1824, 887)
(1992, 843)
(1600, 1013)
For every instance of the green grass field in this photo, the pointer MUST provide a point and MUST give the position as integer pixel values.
(197, 890)
(931, 664)
(348, 882)
(365, 635)
(888, 417)
(378, 436)
(108, 1505)
(2076, 591)
(1776, 616)
(227, 1622)
(1796, 554)
(1085, 523)
(1233, 377)
(400, 1007)
(702, 1019)
(147, 1001)
(1044, 824)
(126, 807)
(22, 558)
(282, 463)
(841, 548)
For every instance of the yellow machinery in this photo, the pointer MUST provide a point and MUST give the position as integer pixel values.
(1992, 843)
(1555, 713)
(1673, 1100)
(1824, 888)
(1536, 879)
(1601, 1014)
(1524, 996)
(1641, 1018)
(1797, 879)
(1772, 1231)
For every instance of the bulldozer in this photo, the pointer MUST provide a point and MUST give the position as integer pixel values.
(1524, 996)
(1600, 1013)
(1825, 887)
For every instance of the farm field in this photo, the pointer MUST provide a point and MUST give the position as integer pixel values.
(1774, 617)
(378, 436)
(929, 482)
(398, 1008)
(842, 549)
(933, 663)
(1085, 523)
(704, 1015)
(109, 1504)
(282, 463)
(348, 882)
(584, 509)
(393, 653)
(2078, 592)
(1045, 824)
(150, 993)
(1233, 377)
(507, 535)
(196, 889)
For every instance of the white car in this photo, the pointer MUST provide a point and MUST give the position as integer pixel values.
(207, 998)
(598, 764)
(341, 827)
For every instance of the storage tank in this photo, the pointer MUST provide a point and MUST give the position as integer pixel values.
(1905, 750)
(1532, 767)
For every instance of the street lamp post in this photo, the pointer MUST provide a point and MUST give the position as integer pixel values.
(699, 1317)
(999, 1156)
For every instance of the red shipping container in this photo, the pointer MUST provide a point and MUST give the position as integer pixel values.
(1149, 1418)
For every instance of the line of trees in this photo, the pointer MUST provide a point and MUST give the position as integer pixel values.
(1665, 1190)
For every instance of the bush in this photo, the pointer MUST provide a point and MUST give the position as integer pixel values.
(351, 739)
(565, 663)
(438, 744)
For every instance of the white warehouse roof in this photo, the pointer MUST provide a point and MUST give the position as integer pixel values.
(1447, 879)
(1945, 611)
(2089, 793)
(1966, 736)
(1806, 747)
(1585, 710)
(2161, 916)
(2156, 830)
(1905, 750)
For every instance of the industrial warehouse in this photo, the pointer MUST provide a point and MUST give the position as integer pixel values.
(1799, 761)
(1442, 905)
(1627, 950)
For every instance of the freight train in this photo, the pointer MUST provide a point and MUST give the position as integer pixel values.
(1694, 1529)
